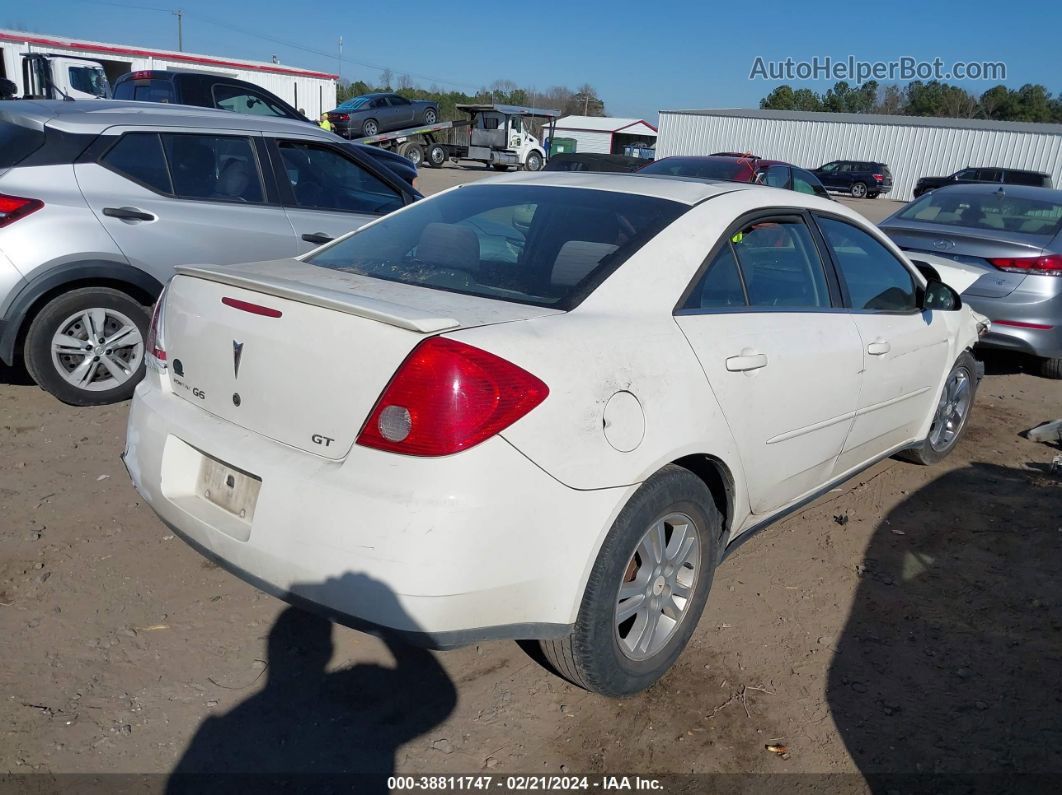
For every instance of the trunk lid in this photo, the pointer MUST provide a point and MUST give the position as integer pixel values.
(298, 353)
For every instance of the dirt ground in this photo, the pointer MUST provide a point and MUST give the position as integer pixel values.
(908, 622)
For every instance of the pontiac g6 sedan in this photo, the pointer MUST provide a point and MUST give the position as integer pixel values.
(541, 407)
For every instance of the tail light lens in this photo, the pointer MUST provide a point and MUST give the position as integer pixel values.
(339, 116)
(448, 396)
(156, 346)
(878, 177)
(14, 207)
(1050, 265)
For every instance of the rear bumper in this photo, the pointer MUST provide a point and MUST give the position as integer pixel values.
(1023, 306)
(446, 552)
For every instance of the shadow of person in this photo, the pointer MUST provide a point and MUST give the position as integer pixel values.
(308, 724)
(948, 673)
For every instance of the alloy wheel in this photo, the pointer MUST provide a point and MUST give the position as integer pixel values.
(952, 409)
(97, 349)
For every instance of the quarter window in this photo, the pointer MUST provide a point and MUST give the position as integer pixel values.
(875, 278)
(323, 179)
(139, 157)
(721, 285)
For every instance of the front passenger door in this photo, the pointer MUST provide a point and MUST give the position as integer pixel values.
(783, 363)
(327, 193)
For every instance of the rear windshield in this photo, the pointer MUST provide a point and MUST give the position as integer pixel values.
(993, 211)
(354, 104)
(531, 244)
(735, 170)
(17, 143)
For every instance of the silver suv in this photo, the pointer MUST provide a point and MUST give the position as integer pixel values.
(99, 201)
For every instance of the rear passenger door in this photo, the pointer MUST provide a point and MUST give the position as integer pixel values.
(903, 347)
(401, 112)
(783, 359)
(170, 198)
(327, 192)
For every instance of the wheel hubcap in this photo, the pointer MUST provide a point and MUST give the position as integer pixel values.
(97, 349)
(952, 409)
(657, 586)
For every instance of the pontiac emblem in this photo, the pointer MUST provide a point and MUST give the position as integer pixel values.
(237, 354)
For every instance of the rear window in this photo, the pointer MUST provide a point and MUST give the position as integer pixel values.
(702, 168)
(538, 245)
(17, 143)
(1024, 178)
(994, 211)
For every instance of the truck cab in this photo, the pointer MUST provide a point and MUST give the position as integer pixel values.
(62, 77)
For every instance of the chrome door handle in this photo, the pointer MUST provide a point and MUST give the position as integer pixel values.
(745, 362)
(878, 348)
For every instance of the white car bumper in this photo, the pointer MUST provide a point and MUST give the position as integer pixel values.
(447, 551)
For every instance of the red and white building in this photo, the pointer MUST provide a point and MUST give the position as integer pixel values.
(606, 135)
(314, 92)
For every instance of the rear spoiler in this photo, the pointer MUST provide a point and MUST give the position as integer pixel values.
(352, 304)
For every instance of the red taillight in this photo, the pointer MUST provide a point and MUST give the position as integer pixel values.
(448, 396)
(878, 177)
(254, 309)
(14, 207)
(1050, 265)
(339, 117)
(154, 345)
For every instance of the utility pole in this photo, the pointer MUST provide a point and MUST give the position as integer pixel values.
(180, 29)
(340, 60)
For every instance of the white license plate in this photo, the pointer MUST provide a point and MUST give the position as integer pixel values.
(232, 489)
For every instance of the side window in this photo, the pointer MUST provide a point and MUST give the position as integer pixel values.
(777, 176)
(721, 284)
(214, 167)
(876, 280)
(139, 157)
(829, 168)
(989, 175)
(967, 174)
(397, 101)
(780, 265)
(803, 182)
(243, 100)
(1023, 178)
(323, 179)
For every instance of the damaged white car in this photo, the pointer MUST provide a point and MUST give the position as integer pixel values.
(541, 407)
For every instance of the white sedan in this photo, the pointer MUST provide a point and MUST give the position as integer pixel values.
(541, 407)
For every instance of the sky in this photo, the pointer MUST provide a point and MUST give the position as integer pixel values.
(641, 57)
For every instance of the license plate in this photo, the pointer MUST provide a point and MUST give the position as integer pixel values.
(232, 489)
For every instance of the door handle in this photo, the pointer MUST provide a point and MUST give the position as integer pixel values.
(745, 362)
(128, 214)
(317, 238)
(878, 348)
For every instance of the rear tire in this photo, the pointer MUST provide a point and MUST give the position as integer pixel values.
(369, 128)
(91, 373)
(1051, 368)
(413, 153)
(951, 415)
(859, 190)
(620, 658)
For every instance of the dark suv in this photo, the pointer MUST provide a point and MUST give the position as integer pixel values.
(861, 178)
(203, 90)
(1007, 176)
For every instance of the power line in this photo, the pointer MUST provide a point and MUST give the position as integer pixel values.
(254, 34)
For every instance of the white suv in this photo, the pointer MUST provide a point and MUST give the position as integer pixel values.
(541, 407)
(99, 201)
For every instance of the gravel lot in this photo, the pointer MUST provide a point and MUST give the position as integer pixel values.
(910, 621)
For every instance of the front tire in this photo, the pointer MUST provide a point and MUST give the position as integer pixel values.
(647, 588)
(430, 116)
(86, 347)
(436, 156)
(534, 162)
(859, 190)
(951, 415)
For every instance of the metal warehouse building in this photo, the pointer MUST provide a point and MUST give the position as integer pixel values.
(315, 92)
(911, 146)
(605, 135)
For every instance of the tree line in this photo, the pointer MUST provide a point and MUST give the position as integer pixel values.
(581, 101)
(1032, 102)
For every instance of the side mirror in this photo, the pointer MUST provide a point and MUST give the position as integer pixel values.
(939, 296)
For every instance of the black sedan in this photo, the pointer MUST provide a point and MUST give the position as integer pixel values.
(372, 114)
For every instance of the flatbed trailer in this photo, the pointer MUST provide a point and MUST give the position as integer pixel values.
(497, 136)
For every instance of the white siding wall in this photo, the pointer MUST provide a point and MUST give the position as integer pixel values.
(909, 151)
(598, 142)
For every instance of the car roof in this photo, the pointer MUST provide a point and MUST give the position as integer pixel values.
(1023, 191)
(686, 190)
(96, 115)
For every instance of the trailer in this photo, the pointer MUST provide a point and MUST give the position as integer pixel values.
(499, 136)
(59, 67)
